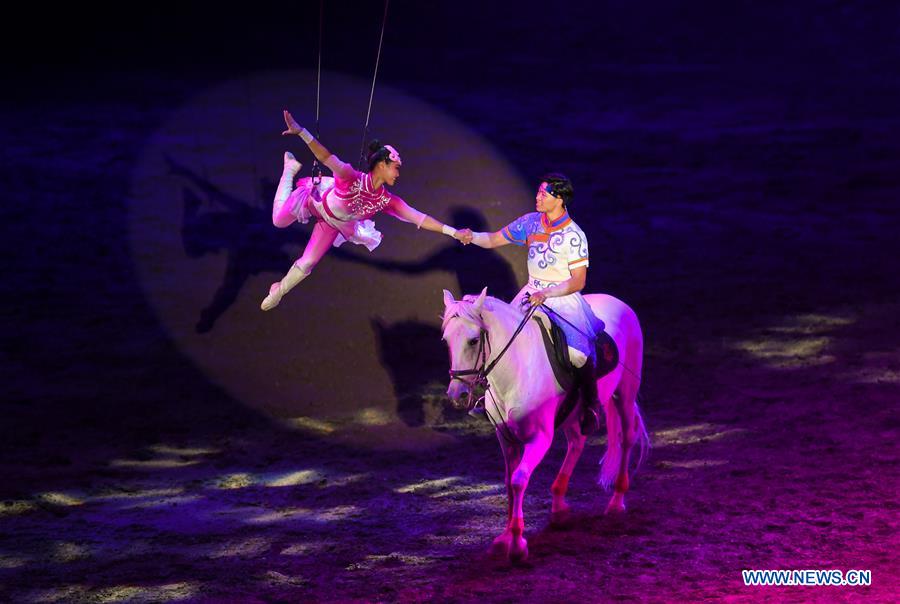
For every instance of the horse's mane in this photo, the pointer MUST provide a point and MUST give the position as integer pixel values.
(465, 309)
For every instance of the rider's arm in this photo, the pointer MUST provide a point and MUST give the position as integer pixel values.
(516, 232)
(490, 240)
(573, 284)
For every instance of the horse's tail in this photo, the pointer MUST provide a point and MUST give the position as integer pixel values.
(612, 459)
(643, 437)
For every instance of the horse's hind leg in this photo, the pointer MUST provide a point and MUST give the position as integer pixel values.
(624, 403)
(559, 510)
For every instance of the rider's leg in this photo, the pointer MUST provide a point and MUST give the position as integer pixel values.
(590, 403)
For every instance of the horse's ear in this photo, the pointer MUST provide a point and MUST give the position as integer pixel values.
(479, 301)
(448, 298)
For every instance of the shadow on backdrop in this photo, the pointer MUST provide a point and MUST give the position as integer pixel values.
(473, 267)
(242, 230)
(416, 360)
(413, 352)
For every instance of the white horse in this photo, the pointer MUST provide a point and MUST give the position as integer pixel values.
(524, 396)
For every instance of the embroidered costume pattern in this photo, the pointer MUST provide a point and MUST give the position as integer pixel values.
(554, 249)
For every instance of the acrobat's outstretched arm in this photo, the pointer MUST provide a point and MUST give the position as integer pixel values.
(405, 212)
(341, 169)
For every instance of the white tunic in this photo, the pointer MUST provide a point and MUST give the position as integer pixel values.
(554, 249)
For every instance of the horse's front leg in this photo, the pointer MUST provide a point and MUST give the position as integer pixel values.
(512, 455)
(532, 454)
(559, 509)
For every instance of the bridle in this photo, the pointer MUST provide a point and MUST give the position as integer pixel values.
(481, 373)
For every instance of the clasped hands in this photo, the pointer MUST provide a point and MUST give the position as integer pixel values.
(464, 236)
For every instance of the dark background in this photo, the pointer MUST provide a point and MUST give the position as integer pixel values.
(736, 167)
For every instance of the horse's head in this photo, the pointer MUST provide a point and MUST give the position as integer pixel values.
(462, 331)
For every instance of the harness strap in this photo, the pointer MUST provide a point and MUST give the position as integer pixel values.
(481, 375)
(484, 371)
(481, 355)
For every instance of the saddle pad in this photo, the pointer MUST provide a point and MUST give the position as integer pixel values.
(565, 373)
(558, 354)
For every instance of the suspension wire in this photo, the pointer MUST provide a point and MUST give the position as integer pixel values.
(319, 69)
(362, 149)
(316, 168)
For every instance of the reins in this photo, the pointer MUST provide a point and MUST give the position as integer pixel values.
(482, 373)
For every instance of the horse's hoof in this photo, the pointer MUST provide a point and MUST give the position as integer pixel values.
(499, 548)
(560, 519)
(519, 552)
(615, 508)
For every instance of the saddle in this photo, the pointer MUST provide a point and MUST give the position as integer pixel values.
(567, 374)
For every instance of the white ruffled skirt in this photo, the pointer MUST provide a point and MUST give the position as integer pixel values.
(308, 200)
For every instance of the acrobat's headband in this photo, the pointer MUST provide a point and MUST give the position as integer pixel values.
(394, 156)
